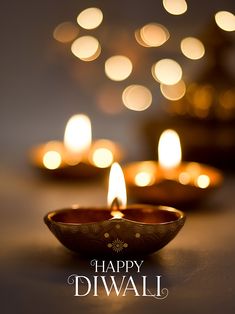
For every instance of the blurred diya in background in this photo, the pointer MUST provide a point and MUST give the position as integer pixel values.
(78, 156)
(115, 230)
(170, 181)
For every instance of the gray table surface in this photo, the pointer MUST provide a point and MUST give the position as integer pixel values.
(197, 267)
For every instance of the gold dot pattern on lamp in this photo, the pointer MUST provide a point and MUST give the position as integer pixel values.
(106, 235)
(118, 226)
(137, 235)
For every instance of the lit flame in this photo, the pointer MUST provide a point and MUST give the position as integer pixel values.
(117, 188)
(169, 149)
(77, 136)
(116, 214)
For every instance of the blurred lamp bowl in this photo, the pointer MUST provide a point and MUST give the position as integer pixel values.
(53, 159)
(170, 181)
(78, 156)
(188, 184)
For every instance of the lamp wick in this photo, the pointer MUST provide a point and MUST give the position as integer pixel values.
(115, 206)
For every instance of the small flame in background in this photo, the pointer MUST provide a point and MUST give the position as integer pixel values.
(169, 149)
(167, 72)
(78, 135)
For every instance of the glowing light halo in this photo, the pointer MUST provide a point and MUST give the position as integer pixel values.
(90, 18)
(167, 71)
(175, 7)
(118, 68)
(173, 92)
(145, 36)
(225, 20)
(137, 97)
(192, 48)
(86, 48)
(154, 34)
(65, 32)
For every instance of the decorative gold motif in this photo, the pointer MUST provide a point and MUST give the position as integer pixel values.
(137, 235)
(106, 235)
(117, 245)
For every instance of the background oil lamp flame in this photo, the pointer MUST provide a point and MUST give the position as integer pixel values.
(170, 181)
(169, 150)
(78, 155)
(116, 230)
(77, 137)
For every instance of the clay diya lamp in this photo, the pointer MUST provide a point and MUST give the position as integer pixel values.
(170, 181)
(78, 156)
(116, 231)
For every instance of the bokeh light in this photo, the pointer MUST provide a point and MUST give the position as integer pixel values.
(227, 99)
(194, 169)
(192, 48)
(144, 178)
(175, 7)
(118, 68)
(90, 18)
(139, 39)
(173, 92)
(167, 71)
(153, 35)
(52, 160)
(86, 48)
(137, 97)
(102, 157)
(225, 20)
(184, 178)
(203, 181)
(65, 32)
(202, 98)
(103, 152)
